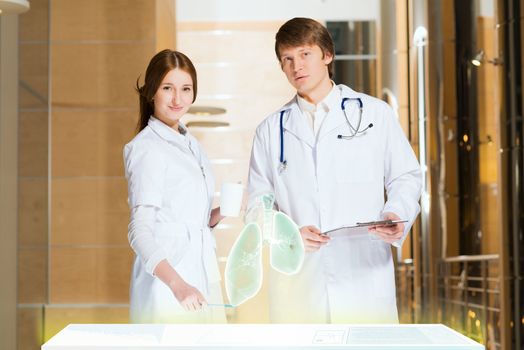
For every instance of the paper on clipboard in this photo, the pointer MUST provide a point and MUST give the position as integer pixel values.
(347, 231)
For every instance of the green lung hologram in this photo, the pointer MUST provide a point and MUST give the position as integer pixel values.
(287, 249)
(243, 272)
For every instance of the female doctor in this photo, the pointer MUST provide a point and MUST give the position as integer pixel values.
(328, 155)
(171, 187)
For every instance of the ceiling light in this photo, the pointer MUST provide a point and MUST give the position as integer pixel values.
(205, 110)
(206, 124)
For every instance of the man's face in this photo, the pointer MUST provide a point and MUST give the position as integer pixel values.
(306, 67)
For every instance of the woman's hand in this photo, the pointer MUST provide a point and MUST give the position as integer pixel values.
(389, 233)
(313, 239)
(215, 217)
(187, 295)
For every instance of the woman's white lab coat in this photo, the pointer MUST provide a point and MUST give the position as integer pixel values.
(331, 183)
(170, 172)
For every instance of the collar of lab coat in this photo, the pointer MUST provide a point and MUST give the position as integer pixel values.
(346, 91)
(297, 125)
(165, 132)
(327, 104)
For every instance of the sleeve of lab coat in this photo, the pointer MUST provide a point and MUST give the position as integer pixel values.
(140, 236)
(145, 169)
(402, 174)
(260, 173)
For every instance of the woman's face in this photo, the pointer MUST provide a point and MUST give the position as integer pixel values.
(173, 97)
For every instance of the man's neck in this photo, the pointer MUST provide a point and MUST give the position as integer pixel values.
(319, 93)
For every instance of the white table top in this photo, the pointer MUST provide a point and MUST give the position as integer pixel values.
(259, 336)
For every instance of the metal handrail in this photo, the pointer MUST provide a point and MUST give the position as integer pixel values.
(471, 290)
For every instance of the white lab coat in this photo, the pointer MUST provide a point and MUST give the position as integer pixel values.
(332, 183)
(170, 172)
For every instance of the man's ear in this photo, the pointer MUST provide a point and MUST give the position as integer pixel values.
(328, 58)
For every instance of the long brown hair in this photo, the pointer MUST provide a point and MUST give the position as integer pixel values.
(161, 64)
(305, 31)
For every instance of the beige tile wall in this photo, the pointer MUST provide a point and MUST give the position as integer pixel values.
(33, 145)
(32, 211)
(33, 174)
(34, 63)
(79, 61)
(102, 20)
(99, 48)
(90, 75)
(237, 70)
(32, 274)
(88, 142)
(89, 211)
(93, 274)
(30, 327)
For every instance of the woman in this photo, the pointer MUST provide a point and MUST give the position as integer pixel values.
(170, 184)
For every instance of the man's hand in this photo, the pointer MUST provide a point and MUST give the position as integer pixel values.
(313, 239)
(390, 233)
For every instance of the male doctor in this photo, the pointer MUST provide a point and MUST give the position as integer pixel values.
(334, 157)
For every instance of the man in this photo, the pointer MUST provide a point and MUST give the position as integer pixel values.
(328, 155)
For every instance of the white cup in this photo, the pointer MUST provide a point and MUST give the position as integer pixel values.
(231, 198)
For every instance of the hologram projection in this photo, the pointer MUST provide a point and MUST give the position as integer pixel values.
(243, 272)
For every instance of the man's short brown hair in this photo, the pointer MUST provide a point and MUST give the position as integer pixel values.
(305, 31)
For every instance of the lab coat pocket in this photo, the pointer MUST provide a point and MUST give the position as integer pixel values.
(174, 239)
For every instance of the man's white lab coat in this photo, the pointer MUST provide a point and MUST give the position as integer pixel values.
(331, 183)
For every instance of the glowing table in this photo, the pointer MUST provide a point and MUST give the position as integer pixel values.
(259, 336)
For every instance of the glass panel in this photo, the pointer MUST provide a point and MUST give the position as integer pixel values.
(353, 37)
(355, 55)
(360, 75)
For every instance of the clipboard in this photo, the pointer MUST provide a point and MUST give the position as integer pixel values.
(361, 227)
(380, 223)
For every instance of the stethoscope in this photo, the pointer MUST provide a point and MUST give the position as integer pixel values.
(353, 131)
